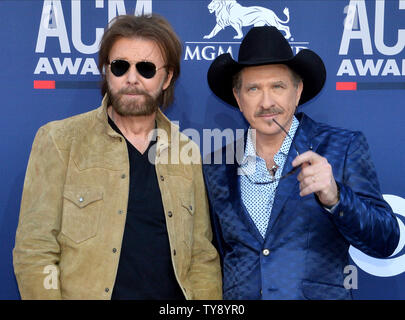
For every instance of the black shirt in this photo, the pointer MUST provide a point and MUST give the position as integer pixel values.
(145, 269)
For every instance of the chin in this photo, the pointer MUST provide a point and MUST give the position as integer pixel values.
(265, 127)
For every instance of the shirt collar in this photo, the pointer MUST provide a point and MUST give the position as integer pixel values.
(250, 156)
(285, 147)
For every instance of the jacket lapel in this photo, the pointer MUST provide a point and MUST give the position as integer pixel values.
(237, 198)
(224, 188)
(289, 186)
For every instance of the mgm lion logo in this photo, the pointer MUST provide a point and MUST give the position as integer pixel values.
(231, 13)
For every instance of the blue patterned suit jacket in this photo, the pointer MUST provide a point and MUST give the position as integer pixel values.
(308, 246)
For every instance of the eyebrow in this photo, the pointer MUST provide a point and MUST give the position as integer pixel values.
(251, 84)
(255, 84)
(279, 82)
(133, 61)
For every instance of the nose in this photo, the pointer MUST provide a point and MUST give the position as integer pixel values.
(132, 75)
(267, 99)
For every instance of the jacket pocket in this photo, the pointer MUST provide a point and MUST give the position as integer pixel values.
(321, 291)
(81, 212)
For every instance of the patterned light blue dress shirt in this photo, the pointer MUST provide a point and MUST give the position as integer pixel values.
(258, 187)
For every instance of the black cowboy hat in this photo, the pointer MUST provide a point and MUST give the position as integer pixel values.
(261, 46)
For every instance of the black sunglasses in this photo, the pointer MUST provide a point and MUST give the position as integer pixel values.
(145, 68)
(293, 170)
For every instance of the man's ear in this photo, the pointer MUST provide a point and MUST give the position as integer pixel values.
(169, 77)
(300, 87)
(236, 95)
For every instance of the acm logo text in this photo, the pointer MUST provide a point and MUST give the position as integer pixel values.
(358, 28)
(53, 26)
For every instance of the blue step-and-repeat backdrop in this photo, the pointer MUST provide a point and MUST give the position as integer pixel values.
(48, 71)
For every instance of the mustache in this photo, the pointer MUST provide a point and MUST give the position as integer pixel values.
(133, 91)
(268, 111)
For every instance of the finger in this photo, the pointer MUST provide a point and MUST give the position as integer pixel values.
(302, 166)
(308, 186)
(305, 182)
(308, 156)
(312, 184)
(319, 184)
(309, 170)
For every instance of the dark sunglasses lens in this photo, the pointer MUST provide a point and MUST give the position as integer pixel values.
(119, 67)
(146, 69)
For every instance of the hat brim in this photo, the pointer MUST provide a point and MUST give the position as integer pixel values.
(307, 64)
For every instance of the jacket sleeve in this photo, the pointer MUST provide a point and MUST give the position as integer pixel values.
(362, 216)
(205, 270)
(37, 251)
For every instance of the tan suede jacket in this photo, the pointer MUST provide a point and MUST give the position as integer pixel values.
(73, 211)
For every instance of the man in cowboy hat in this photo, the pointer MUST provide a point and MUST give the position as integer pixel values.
(288, 208)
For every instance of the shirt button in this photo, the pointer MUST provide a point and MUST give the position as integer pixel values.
(81, 199)
(114, 250)
(266, 252)
(120, 212)
(162, 178)
(341, 213)
(170, 214)
(174, 252)
(191, 208)
(123, 176)
(106, 289)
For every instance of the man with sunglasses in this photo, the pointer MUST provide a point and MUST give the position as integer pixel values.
(288, 208)
(109, 210)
